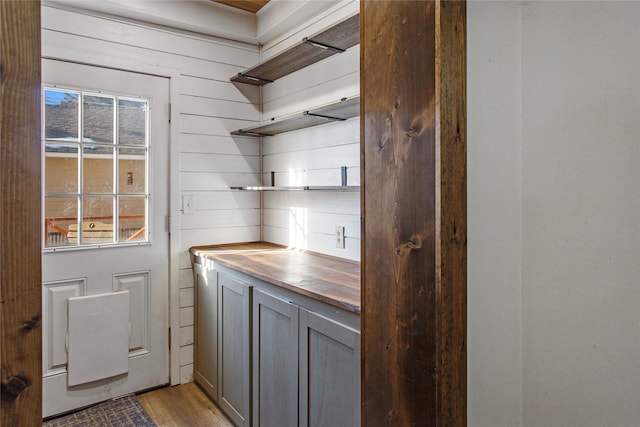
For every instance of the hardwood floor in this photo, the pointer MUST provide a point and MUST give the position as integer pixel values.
(182, 405)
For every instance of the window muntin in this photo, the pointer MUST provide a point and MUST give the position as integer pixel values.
(96, 190)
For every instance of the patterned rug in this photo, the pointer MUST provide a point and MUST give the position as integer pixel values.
(124, 411)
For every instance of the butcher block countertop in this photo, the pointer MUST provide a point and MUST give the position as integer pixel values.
(334, 281)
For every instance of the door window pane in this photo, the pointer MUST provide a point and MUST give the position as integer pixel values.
(97, 220)
(61, 221)
(132, 170)
(61, 168)
(98, 118)
(132, 122)
(60, 115)
(97, 169)
(131, 215)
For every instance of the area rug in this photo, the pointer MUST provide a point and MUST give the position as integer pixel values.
(121, 412)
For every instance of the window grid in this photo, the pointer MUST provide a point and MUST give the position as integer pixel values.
(119, 150)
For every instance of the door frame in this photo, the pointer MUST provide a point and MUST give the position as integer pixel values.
(95, 59)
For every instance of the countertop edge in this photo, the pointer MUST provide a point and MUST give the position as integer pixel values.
(208, 252)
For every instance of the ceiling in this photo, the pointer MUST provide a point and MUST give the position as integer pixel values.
(248, 5)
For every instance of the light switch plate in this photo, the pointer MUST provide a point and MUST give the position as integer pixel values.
(188, 204)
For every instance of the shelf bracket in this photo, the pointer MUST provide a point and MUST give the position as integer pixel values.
(322, 116)
(322, 45)
(255, 79)
(241, 132)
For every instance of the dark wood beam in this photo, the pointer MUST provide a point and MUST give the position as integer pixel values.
(413, 133)
(20, 235)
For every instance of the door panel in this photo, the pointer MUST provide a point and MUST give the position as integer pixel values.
(138, 286)
(54, 313)
(140, 266)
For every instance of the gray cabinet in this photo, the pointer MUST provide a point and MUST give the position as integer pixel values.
(275, 362)
(223, 340)
(273, 358)
(206, 329)
(329, 372)
(234, 334)
(306, 367)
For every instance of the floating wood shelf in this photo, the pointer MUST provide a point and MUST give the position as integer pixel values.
(301, 188)
(312, 49)
(338, 111)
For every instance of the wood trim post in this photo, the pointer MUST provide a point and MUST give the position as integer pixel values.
(20, 228)
(413, 159)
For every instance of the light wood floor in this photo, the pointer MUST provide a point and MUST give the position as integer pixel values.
(182, 405)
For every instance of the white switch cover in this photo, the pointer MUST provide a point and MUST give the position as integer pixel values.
(339, 237)
(188, 204)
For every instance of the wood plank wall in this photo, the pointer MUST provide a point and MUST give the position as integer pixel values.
(209, 107)
(414, 208)
(313, 156)
(20, 235)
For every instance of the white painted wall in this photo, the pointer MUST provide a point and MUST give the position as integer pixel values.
(313, 156)
(494, 219)
(581, 213)
(277, 17)
(554, 213)
(206, 160)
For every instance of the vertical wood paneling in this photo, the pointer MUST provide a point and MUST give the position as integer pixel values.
(20, 242)
(413, 205)
(399, 266)
(451, 282)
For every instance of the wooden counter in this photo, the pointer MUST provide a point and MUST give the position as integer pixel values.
(334, 281)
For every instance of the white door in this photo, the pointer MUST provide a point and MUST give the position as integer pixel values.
(105, 210)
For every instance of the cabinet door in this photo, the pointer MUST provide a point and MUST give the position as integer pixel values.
(234, 301)
(206, 330)
(329, 373)
(275, 362)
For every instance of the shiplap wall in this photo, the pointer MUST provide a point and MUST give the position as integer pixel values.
(313, 156)
(209, 159)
